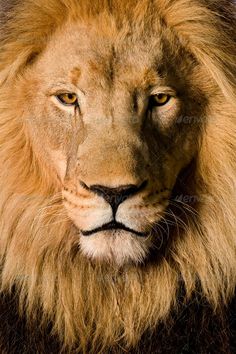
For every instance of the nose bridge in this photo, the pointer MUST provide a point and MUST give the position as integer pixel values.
(125, 109)
(111, 157)
(117, 109)
(113, 152)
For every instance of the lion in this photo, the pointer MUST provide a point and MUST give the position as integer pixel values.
(118, 177)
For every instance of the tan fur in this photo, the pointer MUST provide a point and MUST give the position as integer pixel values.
(39, 245)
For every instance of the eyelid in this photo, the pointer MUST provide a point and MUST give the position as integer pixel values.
(63, 89)
(163, 90)
(65, 93)
(62, 92)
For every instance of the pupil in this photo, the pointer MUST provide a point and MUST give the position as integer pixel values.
(70, 96)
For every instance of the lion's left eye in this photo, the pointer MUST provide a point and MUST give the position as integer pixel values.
(68, 99)
(160, 99)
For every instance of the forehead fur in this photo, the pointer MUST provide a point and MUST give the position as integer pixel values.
(33, 22)
(84, 52)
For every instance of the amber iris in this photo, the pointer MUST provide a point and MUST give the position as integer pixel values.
(161, 99)
(69, 99)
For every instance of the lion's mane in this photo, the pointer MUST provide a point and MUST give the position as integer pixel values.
(91, 303)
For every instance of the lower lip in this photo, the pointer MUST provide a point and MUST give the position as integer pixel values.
(114, 227)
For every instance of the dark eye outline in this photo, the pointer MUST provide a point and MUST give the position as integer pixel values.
(154, 103)
(60, 99)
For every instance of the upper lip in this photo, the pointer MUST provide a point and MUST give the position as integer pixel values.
(114, 225)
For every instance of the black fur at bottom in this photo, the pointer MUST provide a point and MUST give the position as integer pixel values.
(195, 329)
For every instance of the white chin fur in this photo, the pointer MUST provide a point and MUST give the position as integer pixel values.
(116, 246)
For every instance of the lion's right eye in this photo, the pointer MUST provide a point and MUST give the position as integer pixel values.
(68, 99)
(160, 99)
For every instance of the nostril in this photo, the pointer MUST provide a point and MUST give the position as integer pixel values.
(123, 191)
(116, 196)
(84, 185)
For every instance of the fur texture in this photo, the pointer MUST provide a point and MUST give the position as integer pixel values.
(93, 306)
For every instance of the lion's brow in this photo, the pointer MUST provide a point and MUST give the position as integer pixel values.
(75, 75)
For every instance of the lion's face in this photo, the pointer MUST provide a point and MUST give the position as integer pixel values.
(106, 110)
(109, 112)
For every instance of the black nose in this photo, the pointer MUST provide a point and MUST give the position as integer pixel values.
(116, 196)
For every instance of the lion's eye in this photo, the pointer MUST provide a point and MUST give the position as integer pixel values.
(160, 99)
(68, 99)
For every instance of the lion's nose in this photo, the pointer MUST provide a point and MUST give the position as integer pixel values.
(116, 196)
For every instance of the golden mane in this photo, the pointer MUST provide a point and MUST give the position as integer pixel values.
(39, 251)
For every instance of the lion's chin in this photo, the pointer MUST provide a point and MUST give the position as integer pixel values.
(115, 246)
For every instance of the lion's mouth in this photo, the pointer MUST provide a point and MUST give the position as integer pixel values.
(114, 225)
